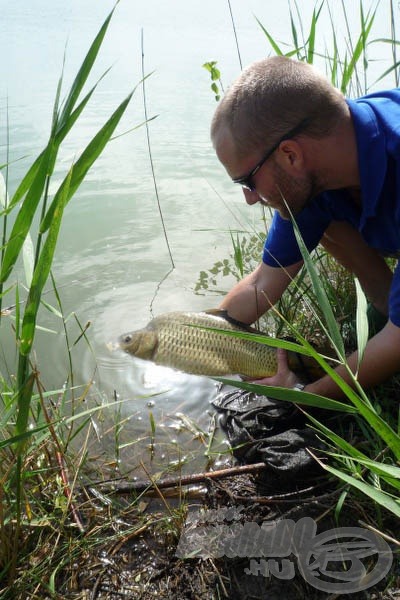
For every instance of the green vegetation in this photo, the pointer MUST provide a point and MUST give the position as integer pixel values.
(49, 523)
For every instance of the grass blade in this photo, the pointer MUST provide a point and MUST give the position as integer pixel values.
(42, 271)
(349, 71)
(271, 40)
(303, 398)
(322, 298)
(390, 503)
(311, 40)
(25, 215)
(84, 72)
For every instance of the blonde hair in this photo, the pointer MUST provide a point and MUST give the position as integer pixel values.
(271, 97)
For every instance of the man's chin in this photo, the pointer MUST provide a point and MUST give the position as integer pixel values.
(283, 213)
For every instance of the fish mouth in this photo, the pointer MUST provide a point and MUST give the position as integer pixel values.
(113, 346)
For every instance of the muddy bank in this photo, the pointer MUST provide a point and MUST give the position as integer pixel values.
(149, 563)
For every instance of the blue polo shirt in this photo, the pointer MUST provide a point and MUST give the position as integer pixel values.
(376, 119)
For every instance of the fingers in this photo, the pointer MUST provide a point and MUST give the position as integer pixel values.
(282, 360)
(284, 377)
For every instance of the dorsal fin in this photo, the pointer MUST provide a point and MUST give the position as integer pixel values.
(223, 314)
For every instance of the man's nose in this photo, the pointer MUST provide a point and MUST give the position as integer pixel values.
(250, 197)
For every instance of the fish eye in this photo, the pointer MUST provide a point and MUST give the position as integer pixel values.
(127, 338)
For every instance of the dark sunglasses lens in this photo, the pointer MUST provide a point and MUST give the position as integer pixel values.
(245, 183)
(248, 185)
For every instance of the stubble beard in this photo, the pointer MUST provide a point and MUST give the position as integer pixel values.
(294, 194)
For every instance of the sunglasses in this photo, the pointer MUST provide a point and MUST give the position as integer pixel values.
(245, 180)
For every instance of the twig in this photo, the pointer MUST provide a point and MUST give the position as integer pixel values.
(285, 498)
(156, 487)
(387, 537)
(125, 487)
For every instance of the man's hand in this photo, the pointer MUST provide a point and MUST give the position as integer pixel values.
(284, 377)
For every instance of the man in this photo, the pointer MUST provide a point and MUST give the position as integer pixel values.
(293, 142)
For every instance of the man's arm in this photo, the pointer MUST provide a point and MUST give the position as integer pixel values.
(381, 360)
(256, 293)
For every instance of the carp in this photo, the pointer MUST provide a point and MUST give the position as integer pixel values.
(178, 340)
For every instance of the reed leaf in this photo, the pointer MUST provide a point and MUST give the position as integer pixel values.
(360, 401)
(59, 136)
(26, 381)
(260, 338)
(394, 67)
(17, 313)
(271, 40)
(349, 70)
(85, 161)
(390, 473)
(33, 184)
(289, 395)
(380, 497)
(22, 437)
(337, 440)
(311, 36)
(387, 472)
(25, 215)
(334, 60)
(42, 270)
(28, 254)
(334, 332)
(379, 473)
(237, 254)
(84, 72)
(294, 31)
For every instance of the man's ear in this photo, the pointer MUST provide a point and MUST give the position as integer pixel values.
(290, 156)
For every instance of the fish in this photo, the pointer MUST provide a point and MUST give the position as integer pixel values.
(178, 340)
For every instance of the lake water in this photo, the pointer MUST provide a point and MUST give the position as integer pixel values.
(113, 268)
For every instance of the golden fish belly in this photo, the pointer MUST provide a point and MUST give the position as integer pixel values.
(203, 352)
